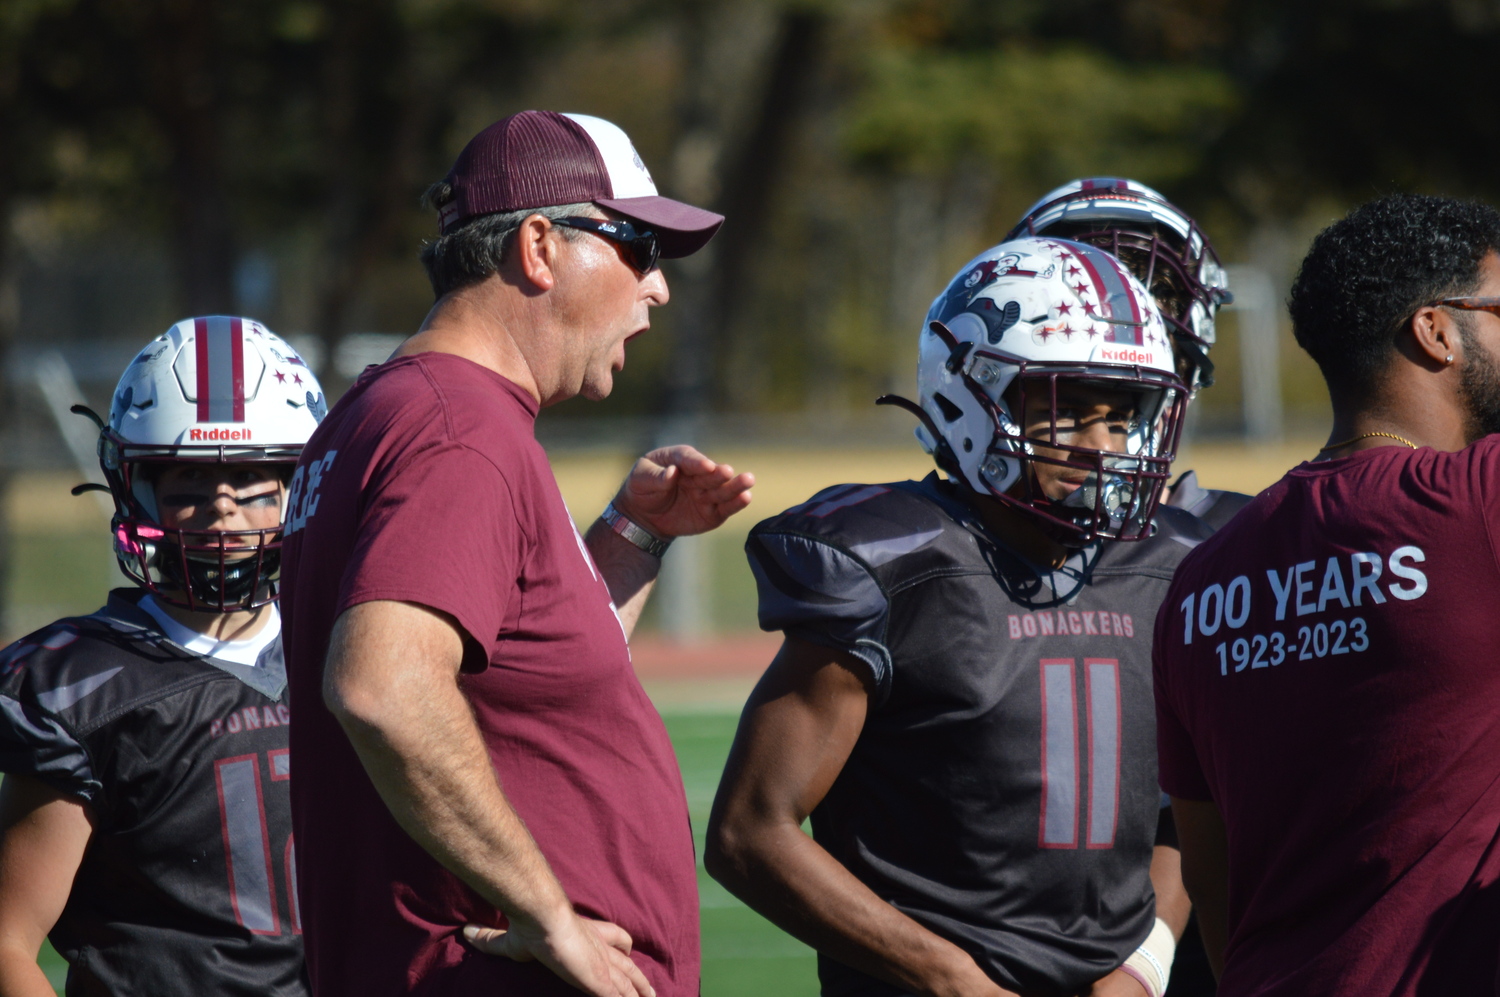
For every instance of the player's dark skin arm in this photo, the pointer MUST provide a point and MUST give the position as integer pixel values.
(1172, 903)
(1205, 872)
(799, 726)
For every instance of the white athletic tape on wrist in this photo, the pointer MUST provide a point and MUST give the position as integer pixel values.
(1151, 964)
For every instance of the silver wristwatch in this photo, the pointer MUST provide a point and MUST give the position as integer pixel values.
(633, 532)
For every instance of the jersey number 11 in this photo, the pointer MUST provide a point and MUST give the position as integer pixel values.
(1061, 771)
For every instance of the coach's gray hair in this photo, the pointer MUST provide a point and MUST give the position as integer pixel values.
(476, 249)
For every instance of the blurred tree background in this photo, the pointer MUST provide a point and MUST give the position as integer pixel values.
(160, 158)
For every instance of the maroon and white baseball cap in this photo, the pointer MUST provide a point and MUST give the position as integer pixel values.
(536, 159)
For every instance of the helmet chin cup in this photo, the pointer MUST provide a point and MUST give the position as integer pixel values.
(1109, 493)
(218, 582)
(1114, 494)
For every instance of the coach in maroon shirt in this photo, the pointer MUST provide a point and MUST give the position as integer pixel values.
(486, 801)
(1328, 691)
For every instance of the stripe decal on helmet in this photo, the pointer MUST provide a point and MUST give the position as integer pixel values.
(218, 342)
(1115, 296)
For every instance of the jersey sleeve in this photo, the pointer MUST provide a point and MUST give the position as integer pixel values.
(814, 591)
(33, 741)
(1179, 770)
(441, 530)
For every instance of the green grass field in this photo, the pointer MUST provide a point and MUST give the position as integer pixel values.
(743, 954)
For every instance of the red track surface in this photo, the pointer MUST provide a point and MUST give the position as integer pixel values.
(723, 656)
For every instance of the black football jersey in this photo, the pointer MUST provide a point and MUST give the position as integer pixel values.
(186, 885)
(1212, 506)
(1003, 791)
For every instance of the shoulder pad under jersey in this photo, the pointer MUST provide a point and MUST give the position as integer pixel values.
(64, 681)
(1157, 556)
(1214, 507)
(825, 569)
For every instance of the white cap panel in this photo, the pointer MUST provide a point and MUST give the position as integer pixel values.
(628, 175)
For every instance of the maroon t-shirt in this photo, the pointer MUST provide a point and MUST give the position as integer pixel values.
(425, 484)
(1328, 673)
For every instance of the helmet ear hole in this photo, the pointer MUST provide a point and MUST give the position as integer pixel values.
(951, 412)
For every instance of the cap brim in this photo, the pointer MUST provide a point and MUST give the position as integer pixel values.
(683, 229)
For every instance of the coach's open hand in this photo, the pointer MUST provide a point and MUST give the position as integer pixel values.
(677, 492)
(593, 956)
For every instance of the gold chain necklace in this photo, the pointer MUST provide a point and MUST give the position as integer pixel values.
(1365, 436)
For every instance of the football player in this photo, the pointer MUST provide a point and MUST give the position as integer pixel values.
(1167, 251)
(145, 822)
(962, 703)
(1171, 255)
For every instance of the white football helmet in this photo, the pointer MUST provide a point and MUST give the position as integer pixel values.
(214, 389)
(1159, 242)
(1025, 316)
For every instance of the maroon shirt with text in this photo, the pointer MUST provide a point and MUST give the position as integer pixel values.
(425, 484)
(1328, 674)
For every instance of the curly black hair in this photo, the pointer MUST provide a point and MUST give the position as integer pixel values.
(1367, 274)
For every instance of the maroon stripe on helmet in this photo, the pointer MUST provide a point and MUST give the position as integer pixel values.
(237, 368)
(1110, 284)
(200, 348)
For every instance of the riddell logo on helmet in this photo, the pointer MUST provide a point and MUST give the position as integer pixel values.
(218, 435)
(1129, 354)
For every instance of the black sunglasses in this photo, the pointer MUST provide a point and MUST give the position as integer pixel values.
(643, 244)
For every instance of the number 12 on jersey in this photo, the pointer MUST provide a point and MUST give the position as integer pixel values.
(1061, 769)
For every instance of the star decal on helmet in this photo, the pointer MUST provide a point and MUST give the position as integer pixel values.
(280, 377)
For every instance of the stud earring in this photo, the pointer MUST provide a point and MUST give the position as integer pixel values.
(1448, 358)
